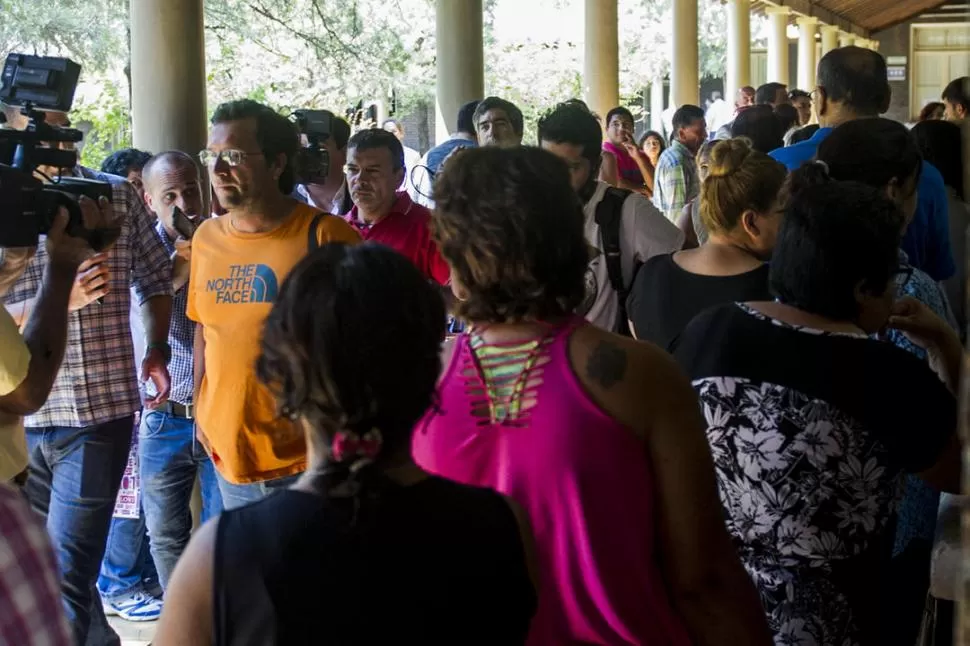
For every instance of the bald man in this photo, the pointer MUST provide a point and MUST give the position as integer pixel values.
(853, 84)
(170, 456)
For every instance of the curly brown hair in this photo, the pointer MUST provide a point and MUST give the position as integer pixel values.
(511, 227)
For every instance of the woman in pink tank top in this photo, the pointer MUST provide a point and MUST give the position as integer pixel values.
(597, 436)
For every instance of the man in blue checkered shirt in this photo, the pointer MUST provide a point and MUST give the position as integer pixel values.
(169, 454)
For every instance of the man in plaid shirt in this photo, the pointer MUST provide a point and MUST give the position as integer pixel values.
(78, 442)
(675, 180)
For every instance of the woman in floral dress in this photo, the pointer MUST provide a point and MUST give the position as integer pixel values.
(811, 422)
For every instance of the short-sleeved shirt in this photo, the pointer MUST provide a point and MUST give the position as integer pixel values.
(675, 182)
(809, 432)
(406, 230)
(665, 296)
(927, 239)
(234, 280)
(644, 233)
(14, 365)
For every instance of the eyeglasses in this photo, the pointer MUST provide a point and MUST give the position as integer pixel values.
(232, 157)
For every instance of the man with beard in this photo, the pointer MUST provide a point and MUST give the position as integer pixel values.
(623, 229)
(238, 263)
(170, 456)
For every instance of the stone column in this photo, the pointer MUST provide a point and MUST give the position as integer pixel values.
(830, 38)
(807, 26)
(601, 58)
(168, 104)
(684, 81)
(460, 63)
(778, 44)
(738, 48)
(846, 40)
(657, 105)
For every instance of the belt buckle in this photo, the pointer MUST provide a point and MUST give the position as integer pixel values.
(190, 411)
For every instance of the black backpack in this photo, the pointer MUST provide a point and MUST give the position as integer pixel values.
(609, 216)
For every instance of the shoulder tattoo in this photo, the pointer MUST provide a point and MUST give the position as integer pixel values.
(607, 364)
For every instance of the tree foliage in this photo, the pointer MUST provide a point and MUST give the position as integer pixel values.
(336, 53)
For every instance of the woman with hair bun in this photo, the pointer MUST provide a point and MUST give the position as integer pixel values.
(365, 548)
(742, 198)
(883, 154)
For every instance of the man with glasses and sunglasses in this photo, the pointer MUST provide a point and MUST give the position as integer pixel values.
(238, 263)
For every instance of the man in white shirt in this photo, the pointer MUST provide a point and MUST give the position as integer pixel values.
(572, 133)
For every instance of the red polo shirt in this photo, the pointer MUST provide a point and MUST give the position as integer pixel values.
(407, 230)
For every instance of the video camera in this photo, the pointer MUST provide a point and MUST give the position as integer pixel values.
(312, 162)
(38, 84)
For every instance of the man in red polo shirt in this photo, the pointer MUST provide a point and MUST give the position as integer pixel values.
(375, 170)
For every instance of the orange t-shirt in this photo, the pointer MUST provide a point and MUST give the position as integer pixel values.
(234, 280)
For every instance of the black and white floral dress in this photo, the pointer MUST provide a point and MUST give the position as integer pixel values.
(810, 432)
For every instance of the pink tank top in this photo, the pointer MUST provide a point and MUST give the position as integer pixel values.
(584, 480)
(626, 167)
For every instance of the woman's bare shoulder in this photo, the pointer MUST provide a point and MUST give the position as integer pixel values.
(631, 380)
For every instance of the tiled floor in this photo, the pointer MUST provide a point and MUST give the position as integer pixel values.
(133, 634)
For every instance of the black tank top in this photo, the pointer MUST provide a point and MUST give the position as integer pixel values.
(442, 563)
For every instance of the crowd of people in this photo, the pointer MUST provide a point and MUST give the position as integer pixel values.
(685, 389)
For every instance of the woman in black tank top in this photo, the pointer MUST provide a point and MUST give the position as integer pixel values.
(366, 548)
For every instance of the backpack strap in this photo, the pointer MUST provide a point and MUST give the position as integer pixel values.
(313, 238)
(609, 217)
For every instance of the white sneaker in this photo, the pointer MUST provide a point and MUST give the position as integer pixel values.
(135, 607)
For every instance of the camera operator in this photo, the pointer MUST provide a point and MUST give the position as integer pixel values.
(330, 193)
(28, 367)
(78, 442)
(29, 363)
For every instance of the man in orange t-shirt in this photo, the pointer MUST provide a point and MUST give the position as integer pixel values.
(239, 262)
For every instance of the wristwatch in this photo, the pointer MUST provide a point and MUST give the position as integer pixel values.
(162, 347)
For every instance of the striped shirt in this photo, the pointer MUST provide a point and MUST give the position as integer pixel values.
(96, 381)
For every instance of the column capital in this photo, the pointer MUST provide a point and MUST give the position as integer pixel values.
(831, 29)
(777, 11)
(806, 21)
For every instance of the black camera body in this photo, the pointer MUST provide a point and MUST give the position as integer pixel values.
(312, 162)
(37, 84)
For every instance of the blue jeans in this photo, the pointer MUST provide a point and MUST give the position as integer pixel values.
(171, 458)
(127, 567)
(73, 479)
(240, 495)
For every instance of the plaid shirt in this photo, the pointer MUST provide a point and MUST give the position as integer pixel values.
(96, 382)
(30, 592)
(675, 182)
(181, 336)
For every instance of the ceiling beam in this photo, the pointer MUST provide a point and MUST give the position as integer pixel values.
(808, 8)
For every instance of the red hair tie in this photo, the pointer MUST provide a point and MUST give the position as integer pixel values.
(347, 445)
